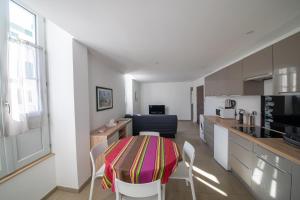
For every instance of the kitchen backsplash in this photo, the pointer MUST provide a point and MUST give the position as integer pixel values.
(248, 103)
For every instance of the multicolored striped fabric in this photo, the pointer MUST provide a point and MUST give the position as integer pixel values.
(140, 159)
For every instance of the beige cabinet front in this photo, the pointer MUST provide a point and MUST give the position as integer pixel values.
(269, 182)
(258, 65)
(227, 81)
(287, 65)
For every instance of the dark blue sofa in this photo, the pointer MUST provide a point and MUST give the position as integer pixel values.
(166, 125)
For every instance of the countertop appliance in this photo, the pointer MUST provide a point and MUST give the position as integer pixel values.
(221, 151)
(225, 113)
(230, 104)
(282, 113)
(259, 132)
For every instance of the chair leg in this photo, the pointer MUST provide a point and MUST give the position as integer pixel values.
(192, 188)
(163, 191)
(92, 188)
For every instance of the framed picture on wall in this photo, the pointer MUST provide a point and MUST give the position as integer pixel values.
(104, 98)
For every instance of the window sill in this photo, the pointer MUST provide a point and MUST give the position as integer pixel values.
(23, 169)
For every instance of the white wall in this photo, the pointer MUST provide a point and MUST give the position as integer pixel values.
(82, 114)
(33, 183)
(175, 96)
(68, 106)
(61, 104)
(128, 94)
(102, 73)
(136, 97)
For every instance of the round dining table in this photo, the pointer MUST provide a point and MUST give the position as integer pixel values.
(140, 159)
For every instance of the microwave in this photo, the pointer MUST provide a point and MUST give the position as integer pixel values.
(226, 113)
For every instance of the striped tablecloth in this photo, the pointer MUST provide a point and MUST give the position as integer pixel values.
(140, 159)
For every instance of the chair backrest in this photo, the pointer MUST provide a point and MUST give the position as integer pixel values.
(153, 133)
(138, 190)
(96, 151)
(189, 150)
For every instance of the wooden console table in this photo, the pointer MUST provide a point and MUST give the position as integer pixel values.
(111, 134)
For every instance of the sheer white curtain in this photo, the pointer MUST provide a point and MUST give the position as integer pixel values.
(24, 99)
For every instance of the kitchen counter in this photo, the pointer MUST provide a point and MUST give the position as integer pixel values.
(226, 123)
(275, 145)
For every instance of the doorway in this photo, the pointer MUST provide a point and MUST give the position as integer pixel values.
(200, 102)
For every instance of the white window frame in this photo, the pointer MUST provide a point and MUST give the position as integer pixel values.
(9, 144)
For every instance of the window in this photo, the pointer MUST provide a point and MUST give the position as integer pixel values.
(26, 131)
(22, 23)
(22, 63)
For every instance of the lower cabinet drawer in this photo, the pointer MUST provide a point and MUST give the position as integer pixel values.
(243, 154)
(241, 170)
(269, 182)
(241, 141)
(278, 161)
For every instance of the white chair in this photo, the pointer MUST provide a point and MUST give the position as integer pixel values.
(96, 151)
(153, 133)
(127, 190)
(183, 171)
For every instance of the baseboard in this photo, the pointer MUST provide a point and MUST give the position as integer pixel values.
(85, 184)
(73, 190)
(49, 193)
(67, 189)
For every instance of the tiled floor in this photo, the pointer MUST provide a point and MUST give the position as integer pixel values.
(211, 181)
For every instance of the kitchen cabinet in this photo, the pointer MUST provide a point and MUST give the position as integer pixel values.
(274, 159)
(286, 60)
(129, 129)
(269, 182)
(212, 84)
(241, 157)
(227, 81)
(295, 183)
(232, 79)
(209, 133)
(271, 176)
(258, 65)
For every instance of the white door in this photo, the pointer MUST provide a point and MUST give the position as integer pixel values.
(25, 136)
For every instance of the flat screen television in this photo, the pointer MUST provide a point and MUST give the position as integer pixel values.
(156, 109)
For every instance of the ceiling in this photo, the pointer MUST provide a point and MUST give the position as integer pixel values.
(172, 40)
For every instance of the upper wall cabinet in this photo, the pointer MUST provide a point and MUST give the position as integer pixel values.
(286, 55)
(258, 65)
(227, 81)
(212, 85)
